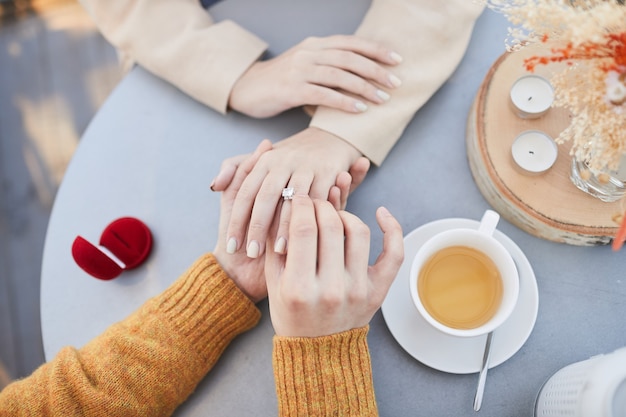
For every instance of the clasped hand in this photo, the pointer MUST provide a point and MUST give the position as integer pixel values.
(322, 283)
(311, 161)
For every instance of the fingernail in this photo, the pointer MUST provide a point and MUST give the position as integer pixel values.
(395, 81)
(384, 211)
(231, 246)
(280, 245)
(253, 249)
(396, 57)
(212, 185)
(360, 106)
(383, 95)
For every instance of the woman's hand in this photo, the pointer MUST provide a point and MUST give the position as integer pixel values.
(345, 183)
(324, 284)
(309, 161)
(247, 273)
(342, 71)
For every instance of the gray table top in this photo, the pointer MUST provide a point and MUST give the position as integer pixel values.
(151, 153)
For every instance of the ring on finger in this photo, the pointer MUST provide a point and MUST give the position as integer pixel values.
(288, 193)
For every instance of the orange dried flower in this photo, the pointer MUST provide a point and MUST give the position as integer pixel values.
(612, 53)
(620, 236)
(590, 36)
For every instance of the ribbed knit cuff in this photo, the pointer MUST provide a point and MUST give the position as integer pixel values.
(324, 376)
(206, 306)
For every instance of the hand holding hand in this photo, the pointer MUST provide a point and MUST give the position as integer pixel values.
(324, 285)
(248, 273)
(341, 71)
(309, 161)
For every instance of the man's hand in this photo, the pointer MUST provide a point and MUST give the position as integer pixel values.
(324, 284)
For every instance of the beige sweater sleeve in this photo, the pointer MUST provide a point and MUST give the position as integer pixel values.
(432, 37)
(178, 41)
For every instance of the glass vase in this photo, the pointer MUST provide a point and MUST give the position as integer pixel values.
(606, 186)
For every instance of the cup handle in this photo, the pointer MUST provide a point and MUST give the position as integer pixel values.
(489, 222)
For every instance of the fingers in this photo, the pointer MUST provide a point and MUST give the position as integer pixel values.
(353, 64)
(282, 231)
(384, 270)
(343, 72)
(239, 204)
(265, 205)
(244, 165)
(337, 196)
(347, 84)
(229, 166)
(358, 171)
(303, 237)
(349, 70)
(309, 162)
(262, 209)
(334, 197)
(321, 95)
(362, 46)
(227, 172)
(342, 188)
(347, 182)
(330, 247)
(317, 188)
(274, 260)
(357, 245)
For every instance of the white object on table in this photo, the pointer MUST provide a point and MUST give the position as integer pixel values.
(534, 151)
(596, 386)
(532, 96)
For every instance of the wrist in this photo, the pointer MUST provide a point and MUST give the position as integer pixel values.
(223, 259)
(339, 144)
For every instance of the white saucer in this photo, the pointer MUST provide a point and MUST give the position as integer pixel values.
(447, 353)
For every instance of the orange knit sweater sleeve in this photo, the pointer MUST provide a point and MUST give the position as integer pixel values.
(324, 376)
(147, 364)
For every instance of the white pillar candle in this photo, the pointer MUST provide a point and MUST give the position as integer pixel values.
(531, 96)
(534, 151)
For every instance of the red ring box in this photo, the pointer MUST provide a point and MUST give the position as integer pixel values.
(127, 238)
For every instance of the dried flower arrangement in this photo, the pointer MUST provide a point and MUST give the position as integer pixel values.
(590, 37)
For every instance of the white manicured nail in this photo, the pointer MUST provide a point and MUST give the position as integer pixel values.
(383, 95)
(280, 245)
(231, 246)
(360, 106)
(253, 249)
(395, 81)
(396, 57)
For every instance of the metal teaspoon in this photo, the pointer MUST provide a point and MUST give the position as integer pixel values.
(478, 399)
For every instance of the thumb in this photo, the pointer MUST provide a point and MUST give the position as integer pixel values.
(386, 267)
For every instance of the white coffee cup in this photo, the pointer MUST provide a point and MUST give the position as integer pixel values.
(454, 288)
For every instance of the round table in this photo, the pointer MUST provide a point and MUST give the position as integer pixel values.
(151, 153)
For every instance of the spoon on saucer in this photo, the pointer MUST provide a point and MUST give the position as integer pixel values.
(482, 377)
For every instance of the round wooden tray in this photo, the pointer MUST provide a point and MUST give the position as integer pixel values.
(548, 205)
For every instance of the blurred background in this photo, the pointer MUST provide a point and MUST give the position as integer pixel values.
(56, 70)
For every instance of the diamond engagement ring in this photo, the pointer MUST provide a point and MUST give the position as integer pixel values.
(288, 193)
